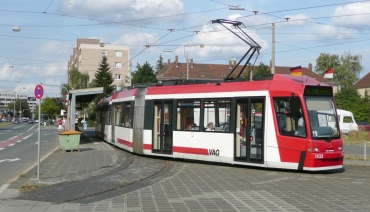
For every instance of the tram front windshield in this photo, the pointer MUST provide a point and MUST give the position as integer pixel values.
(322, 117)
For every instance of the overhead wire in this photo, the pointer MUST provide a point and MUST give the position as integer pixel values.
(110, 22)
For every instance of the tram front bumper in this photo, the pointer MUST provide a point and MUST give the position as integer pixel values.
(324, 159)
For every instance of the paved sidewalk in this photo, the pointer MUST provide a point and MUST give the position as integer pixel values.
(191, 186)
(94, 158)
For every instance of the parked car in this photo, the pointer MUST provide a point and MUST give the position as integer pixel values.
(16, 121)
(30, 121)
(363, 125)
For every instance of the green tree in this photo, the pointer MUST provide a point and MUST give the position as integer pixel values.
(159, 64)
(144, 74)
(50, 107)
(347, 67)
(261, 69)
(78, 80)
(103, 78)
(20, 105)
(350, 99)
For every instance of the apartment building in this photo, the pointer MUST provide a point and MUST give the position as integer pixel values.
(87, 56)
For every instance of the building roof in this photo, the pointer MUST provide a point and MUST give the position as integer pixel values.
(177, 70)
(364, 82)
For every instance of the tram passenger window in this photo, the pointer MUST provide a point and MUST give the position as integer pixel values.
(117, 113)
(217, 111)
(188, 114)
(126, 120)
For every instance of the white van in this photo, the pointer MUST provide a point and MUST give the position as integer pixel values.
(347, 122)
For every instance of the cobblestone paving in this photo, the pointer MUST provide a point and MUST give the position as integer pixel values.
(191, 186)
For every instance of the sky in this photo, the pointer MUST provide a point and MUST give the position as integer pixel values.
(40, 51)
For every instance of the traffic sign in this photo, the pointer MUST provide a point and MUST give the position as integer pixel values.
(31, 98)
(39, 91)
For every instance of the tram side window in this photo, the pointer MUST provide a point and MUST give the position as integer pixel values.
(98, 116)
(126, 119)
(105, 116)
(188, 113)
(117, 114)
(216, 115)
(289, 116)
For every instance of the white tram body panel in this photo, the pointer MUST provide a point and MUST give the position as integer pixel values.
(147, 142)
(124, 138)
(108, 133)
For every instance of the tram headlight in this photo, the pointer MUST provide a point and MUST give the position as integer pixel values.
(313, 149)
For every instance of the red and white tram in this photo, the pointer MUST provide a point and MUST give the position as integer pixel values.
(283, 122)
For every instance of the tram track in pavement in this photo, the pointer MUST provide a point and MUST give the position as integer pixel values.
(133, 172)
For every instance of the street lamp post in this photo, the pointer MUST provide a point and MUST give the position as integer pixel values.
(187, 64)
(15, 98)
(20, 110)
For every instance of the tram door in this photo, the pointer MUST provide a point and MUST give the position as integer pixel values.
(115, 119)
(249, 130)
(162, 127)
(104, 121)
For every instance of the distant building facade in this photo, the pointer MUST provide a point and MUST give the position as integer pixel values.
(363, 85)
(7, 97)
(88, 54)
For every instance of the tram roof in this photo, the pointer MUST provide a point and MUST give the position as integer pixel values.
(263, 82)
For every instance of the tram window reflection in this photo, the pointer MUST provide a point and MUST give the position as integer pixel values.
(126, 120)
(217, 111)
(188, 114)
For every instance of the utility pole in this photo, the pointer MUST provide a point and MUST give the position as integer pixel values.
(273, 50)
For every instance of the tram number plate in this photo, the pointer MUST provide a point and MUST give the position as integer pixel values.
(319, 156)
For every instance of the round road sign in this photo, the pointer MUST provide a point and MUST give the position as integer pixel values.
(39, 91)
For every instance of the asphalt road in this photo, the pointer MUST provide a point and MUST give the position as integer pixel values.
(19, 148)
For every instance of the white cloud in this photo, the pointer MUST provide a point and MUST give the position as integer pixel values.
(56, 48)
(95, 8)
(219, 43)
(137, 43)
(333, 32)
(360, 20)
(136, 39)
(12, 74)
(122, 10)
(57, 69)
(154, 8)
(294, 20)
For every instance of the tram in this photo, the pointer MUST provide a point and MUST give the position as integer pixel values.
(279, 121)
(284, 121)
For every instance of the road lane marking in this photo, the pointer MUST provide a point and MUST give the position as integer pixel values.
(28, 136)
(3, 187)
(10, 160)
(11, 145)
